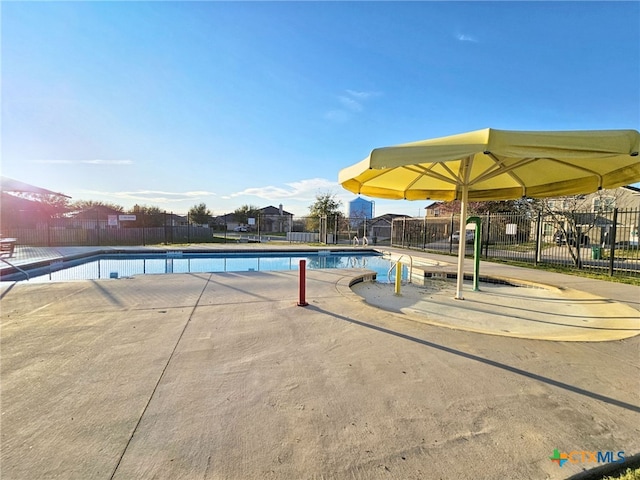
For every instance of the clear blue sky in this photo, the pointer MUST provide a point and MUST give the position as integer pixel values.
(230, 103)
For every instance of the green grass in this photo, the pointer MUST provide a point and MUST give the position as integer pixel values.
(571, 271)
(629, 474)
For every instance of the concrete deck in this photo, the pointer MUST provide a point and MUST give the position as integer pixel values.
(222, 376)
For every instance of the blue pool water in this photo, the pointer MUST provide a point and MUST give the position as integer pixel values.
(115, 266)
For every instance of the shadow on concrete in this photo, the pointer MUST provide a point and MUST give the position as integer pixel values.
(491, 310)
(486, 361)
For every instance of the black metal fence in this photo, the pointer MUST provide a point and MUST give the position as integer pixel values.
(167, 228)
(605, 242)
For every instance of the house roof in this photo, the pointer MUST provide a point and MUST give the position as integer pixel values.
(386, 218)
(96, 211)
(271, 210)
(10, 185)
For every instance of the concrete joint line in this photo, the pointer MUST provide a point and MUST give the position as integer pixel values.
(155, 388)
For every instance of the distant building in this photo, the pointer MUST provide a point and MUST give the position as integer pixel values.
(433, 210)
(275, 220)
(272, 220)
(379, 229)
(361, 208)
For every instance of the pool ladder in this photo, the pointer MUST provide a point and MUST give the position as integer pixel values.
(395, 266)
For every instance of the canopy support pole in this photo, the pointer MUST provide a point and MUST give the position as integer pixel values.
(462, 244)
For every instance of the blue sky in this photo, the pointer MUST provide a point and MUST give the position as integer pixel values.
(229, 103)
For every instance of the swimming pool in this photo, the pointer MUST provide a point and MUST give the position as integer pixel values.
(114, 266)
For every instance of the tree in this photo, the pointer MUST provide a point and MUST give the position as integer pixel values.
(482, 208)
(147, 216)
(86, 204)
(325, 205)
(578, 218)
(200, 214)
(244, 213)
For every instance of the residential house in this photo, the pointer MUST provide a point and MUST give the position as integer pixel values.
(596, 215)
(433, 210)
(271, 220)
(379, 228)
(275, 220)
(97, 216)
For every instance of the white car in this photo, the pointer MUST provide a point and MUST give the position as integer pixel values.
(240, 229)
(469, 236)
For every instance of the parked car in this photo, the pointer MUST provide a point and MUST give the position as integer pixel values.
(570, 239)
(468, 234)
(240, 229)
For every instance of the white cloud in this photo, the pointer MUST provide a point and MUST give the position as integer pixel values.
(57, 162)
(90, 162)
(338, 116)
(301, 190)
(466, 38)
(154, 196)
(107, 162)
(362, 95)
(351, 102)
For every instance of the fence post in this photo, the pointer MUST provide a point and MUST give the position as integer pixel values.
(486, 245)
(538, 239)
(188, 228)
(424, 232)
(142, 223)
(612, 240)
(451, 235)
(98, 226)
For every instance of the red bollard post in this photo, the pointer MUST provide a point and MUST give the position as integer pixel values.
(303, 284)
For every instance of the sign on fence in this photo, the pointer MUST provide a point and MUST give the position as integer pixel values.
(112, 220)
(127, 218)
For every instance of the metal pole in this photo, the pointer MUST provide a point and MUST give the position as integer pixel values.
(612, 241)
(451, 235)
(464, 199)
(477, 246)
(424, 232)
(486, 245)
(539, 231)
(302, 290)
(142, 216)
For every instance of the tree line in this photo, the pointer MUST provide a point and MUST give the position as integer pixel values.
(55, 206)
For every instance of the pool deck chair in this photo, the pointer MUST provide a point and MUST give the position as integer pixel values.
(7, 247)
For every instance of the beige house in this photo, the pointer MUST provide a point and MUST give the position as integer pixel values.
(598, 215)
(603, 201)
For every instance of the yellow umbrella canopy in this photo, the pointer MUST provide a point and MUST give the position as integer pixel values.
(497, 165)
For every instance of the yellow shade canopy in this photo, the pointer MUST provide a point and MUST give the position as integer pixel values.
(498, 165)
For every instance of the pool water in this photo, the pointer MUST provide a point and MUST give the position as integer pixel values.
(115, 266)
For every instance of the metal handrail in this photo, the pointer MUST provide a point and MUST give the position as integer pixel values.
(396, 263)
(16, 267)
